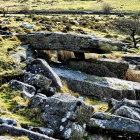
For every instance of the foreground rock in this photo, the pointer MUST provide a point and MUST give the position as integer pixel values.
(42, 130)
(25, 52)
(98, 137)
(42, 67)
(70, 42)
(15, 131)
(6, 138)
(114, 123)
(104, 68)
(8, 121)
(64, 114)
(132, 59)
(27, 90)
(37, 80)
(102, 87)
(126, 108)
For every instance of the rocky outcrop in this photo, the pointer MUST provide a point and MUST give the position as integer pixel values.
(16, 131)
(6, 138)
(98, 137)
(37, 80)
(102, 87)
(64, 114)
(42, 67)
(104, 68)
(70, 42)
(24, 52)
(27, 90)
(8, 121)
(42, 130)
(132, 59)
(114, 123)
(126, 108)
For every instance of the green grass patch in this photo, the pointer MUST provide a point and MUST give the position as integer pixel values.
(9, 100)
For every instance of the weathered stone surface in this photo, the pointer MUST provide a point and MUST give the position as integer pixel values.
(37, 80)
(105, 68)
(65, 114)
(102, 87)
(98, 137)
(133, 59)
(70, 42)
(25, 52)
(126, 108)
(41, 66)
(8, 121)
(115, 123)
(16, 131)
(27, 90)
(5, 138)
(42, 130)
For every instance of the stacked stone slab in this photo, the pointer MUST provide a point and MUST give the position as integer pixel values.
(70, 42)
(102, 87)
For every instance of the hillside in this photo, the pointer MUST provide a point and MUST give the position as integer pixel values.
(116, 5)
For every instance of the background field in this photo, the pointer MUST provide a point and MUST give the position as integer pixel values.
(117, 5)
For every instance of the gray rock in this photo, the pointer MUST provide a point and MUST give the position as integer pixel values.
(41, 66)
(103, 87)
(8, 121)
(132, 58)
(5, 138)
(42, 130)
(27, 90)
(98, 137)
(63, 113)
(37, 80)
(104, 68)
(114, 123)
(17, 131)
(70, 42)
(126, 108)
(24, 52)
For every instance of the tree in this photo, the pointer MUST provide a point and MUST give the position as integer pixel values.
(131, 27)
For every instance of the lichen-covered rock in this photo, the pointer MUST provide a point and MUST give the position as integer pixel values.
(37, 80)
(104, 68)
(102, 87)
(70, 42)
(98, 137)
(65, 114)
(17, 131)
(126, 108)
(24, 52)
(8, 121)
(6, 138)
(27, 90)
(42, 130)
(42, 67)
(132, 59)
(114, 123)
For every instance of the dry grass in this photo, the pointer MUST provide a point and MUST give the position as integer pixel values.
(117, 5)
(133, 75)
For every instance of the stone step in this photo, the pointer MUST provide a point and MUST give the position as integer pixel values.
(103, 87)
(104, 68)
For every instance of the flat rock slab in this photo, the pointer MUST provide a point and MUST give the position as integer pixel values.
(115, 123)
(64, 114)
(130, 58)
(105, 68)
(69, 42)
(96, 86)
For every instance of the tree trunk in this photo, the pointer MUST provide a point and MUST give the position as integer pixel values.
(134, 40)
(4, 13)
